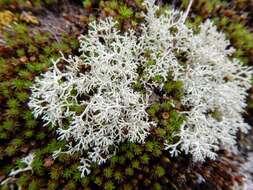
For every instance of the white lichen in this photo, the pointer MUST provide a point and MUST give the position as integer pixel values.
(112, 112)
(215, 93)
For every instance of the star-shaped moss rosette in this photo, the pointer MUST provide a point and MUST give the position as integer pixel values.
(93, 106)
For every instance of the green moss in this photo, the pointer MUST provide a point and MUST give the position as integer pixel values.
(145, 159)
(114, 160)
(153, 109)
(3, 135)
(129, 171)
(17, 142)
(87, 3)
(7, 124)
(28, 134)
(37, 166)
(125, 12)
(20, 52)
(33, 185)
(130, 155)
(118, 176)
(22, 96)
(98, 181)
(22, 180)
(10, 150)
(108, 172)
(136, 164)
(157, 186)
(109, 186)
(53, 185)
(67, 173)
(159, 171)
(71, 185)
(12, 103)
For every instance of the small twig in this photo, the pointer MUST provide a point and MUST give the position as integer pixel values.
(28, 161)
(187, 11)
(2, 41)
(13, 173)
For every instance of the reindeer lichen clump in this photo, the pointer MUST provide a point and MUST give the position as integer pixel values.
(215, 95)
(92, 103)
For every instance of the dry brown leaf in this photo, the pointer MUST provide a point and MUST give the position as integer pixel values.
(48, 161)
(165, 115)
(6, 17)
(23, 59)
(24, 149)
(28, 17)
